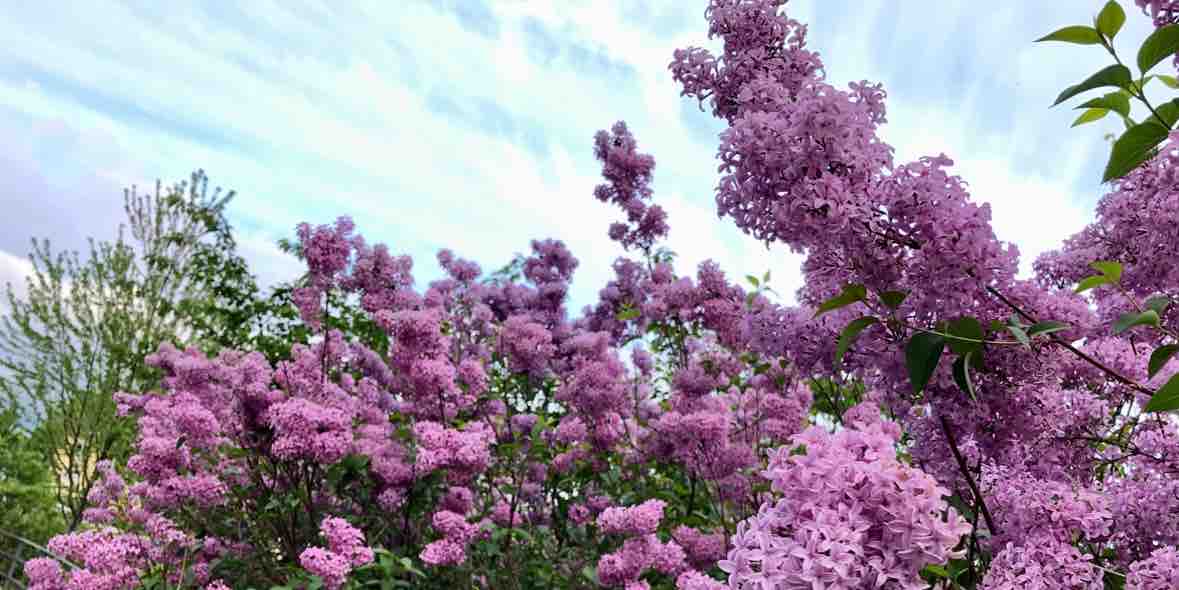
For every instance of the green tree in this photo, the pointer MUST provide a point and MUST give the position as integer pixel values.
(81, 332)
(27, 503)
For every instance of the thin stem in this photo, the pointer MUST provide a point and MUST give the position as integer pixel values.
(1092, 361)
(966, 473)
(1141, 94)
(962, 338)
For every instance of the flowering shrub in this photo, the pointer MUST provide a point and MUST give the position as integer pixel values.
(684, 431)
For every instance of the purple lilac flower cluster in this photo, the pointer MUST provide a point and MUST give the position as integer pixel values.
(667, 435)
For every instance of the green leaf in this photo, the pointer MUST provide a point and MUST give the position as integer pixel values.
(753, 280)
(1109, 268)
(629, 313)
(1116, 75)
(1170, 81)
(936, 571)
(1159, 358)
(1161, 44)
(590, 573)
(1110, 19)
(1118, 102)
(1168, 113)
(1046, 327)
(1158, 303)
(965, 327)
(1134, 147)
(850, 294)
(849, 335)
(921, 357)
(1076, 34)
(1166, 398)
(893, 299)
(962, 375)
(1089, 116)
(1091, 282)
(1128, 320)
(1136, 86)
(1017, 331)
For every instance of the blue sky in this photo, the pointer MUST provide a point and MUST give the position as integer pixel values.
(468, 123)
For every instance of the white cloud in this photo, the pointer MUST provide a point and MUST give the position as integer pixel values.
(342, 115)
(13, 272)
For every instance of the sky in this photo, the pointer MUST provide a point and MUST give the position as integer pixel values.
(468, 124)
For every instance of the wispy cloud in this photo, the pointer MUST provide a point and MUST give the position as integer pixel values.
(468, 124)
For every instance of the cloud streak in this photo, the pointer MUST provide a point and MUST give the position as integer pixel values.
(468, 124)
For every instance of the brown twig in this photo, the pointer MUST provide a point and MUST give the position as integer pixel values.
(1056, 339)
(966, 473)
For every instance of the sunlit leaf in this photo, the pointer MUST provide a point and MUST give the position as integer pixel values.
(1089, 116)
(1159, 358)
(850, 294)
(1161, 44)
(1128, 320)
(1116, 75)
(1046, 327)
(1166, 398)
(1077, 34)
(1110, 19)
(1134, 147)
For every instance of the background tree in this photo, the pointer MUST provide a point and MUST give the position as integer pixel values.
(82, 331)
(27, 502)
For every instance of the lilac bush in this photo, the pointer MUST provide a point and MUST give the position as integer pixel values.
(687, 431)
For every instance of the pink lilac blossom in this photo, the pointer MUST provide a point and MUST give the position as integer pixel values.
(886, 527)
(491, 405)
(1042, 563)
(1160, 571)
(346, 550)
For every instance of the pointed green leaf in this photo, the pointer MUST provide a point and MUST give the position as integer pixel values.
(936, 571)
(1091, 282)
(1089, 116)
(962, 375)
(753, 280)
(1077, 34)
(1110, 268)
(849, 295)
(1168, 113)
(1118, 102)
(1116, 75)
(1046, 327)
(1128, 320)
(1166, 398)
(1170, 81)
(1020, 335)
(1161, 44)
(849, 335)
(628, 314)
(1158, 303)
(1159, 358)
(1111, 19)
(970, 330)
(893, 299)
(921, 357)
(1134, 147)
(1136, 86)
